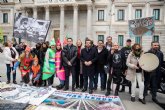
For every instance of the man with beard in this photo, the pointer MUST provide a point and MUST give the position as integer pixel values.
(153, 77)
(125, 52)
(116, 64)
(88, 58)
(101, 62)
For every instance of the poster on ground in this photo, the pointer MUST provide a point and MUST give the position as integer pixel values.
(31, 29)
(141, 27)
(80, 101)
(24, 94)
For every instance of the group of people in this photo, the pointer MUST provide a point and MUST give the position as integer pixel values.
(40, 65)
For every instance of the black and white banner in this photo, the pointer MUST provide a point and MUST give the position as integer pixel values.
(30, 29)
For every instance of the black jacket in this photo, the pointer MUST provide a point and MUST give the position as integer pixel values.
(102, 60)
(115, 61)
(125, 52)
(69, 55)
(160, 56)
(90, 55)
(42, 56)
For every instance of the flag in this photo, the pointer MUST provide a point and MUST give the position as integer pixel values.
(141, 27)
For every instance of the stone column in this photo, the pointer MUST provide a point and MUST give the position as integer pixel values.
(75, 23)
(46, 12)
(34, 12)
(130, 11)
(164, 13)
(147, 9)
(62, 23)
(89, 21)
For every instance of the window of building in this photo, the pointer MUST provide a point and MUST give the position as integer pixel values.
(5, 38)
(101, 37)
(138, 13)
(120, 15)
(156, 14)
(100, 15)
(5, 17)
(120, 40)
(138, 40)
(155, 38)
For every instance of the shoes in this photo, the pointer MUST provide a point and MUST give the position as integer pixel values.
(73, 89)
(84, 90)
(116, 93)
(14, 82)
(107, 93)
(7, 82)
(90, 91)
(133, 99)
(59, 87)
(142, 101)
(66, 88)
(155, 100)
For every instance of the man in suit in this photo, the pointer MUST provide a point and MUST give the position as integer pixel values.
(69, 55)
(88, 58)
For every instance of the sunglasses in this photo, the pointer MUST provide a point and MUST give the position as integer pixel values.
(138, 50)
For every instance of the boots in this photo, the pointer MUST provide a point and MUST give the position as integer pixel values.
(59, 87)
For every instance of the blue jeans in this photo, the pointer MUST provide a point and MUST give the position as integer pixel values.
(62, 82)
(9, 69)
(103, 78)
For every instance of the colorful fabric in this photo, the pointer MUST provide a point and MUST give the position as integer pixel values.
(35, 70)
(59, 72)
(25, 63)
(49, 64)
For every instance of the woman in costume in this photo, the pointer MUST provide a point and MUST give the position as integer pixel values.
(25, 61)
(60, 72)
(49, 64)
(35, 72)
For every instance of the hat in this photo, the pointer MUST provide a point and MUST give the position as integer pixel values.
(27, 48)
(129, 40)
(52, 42)
(58, 43)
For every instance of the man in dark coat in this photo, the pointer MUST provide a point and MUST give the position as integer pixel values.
(125, 52)
(101, 62)
(69, 55)
(88, 58)
(153, 77)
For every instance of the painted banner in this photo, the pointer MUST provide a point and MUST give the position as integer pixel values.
(141, 27)
(81, 101)
(24, 94)
(30, 29)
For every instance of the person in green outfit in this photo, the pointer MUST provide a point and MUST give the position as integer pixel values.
(49, 64)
